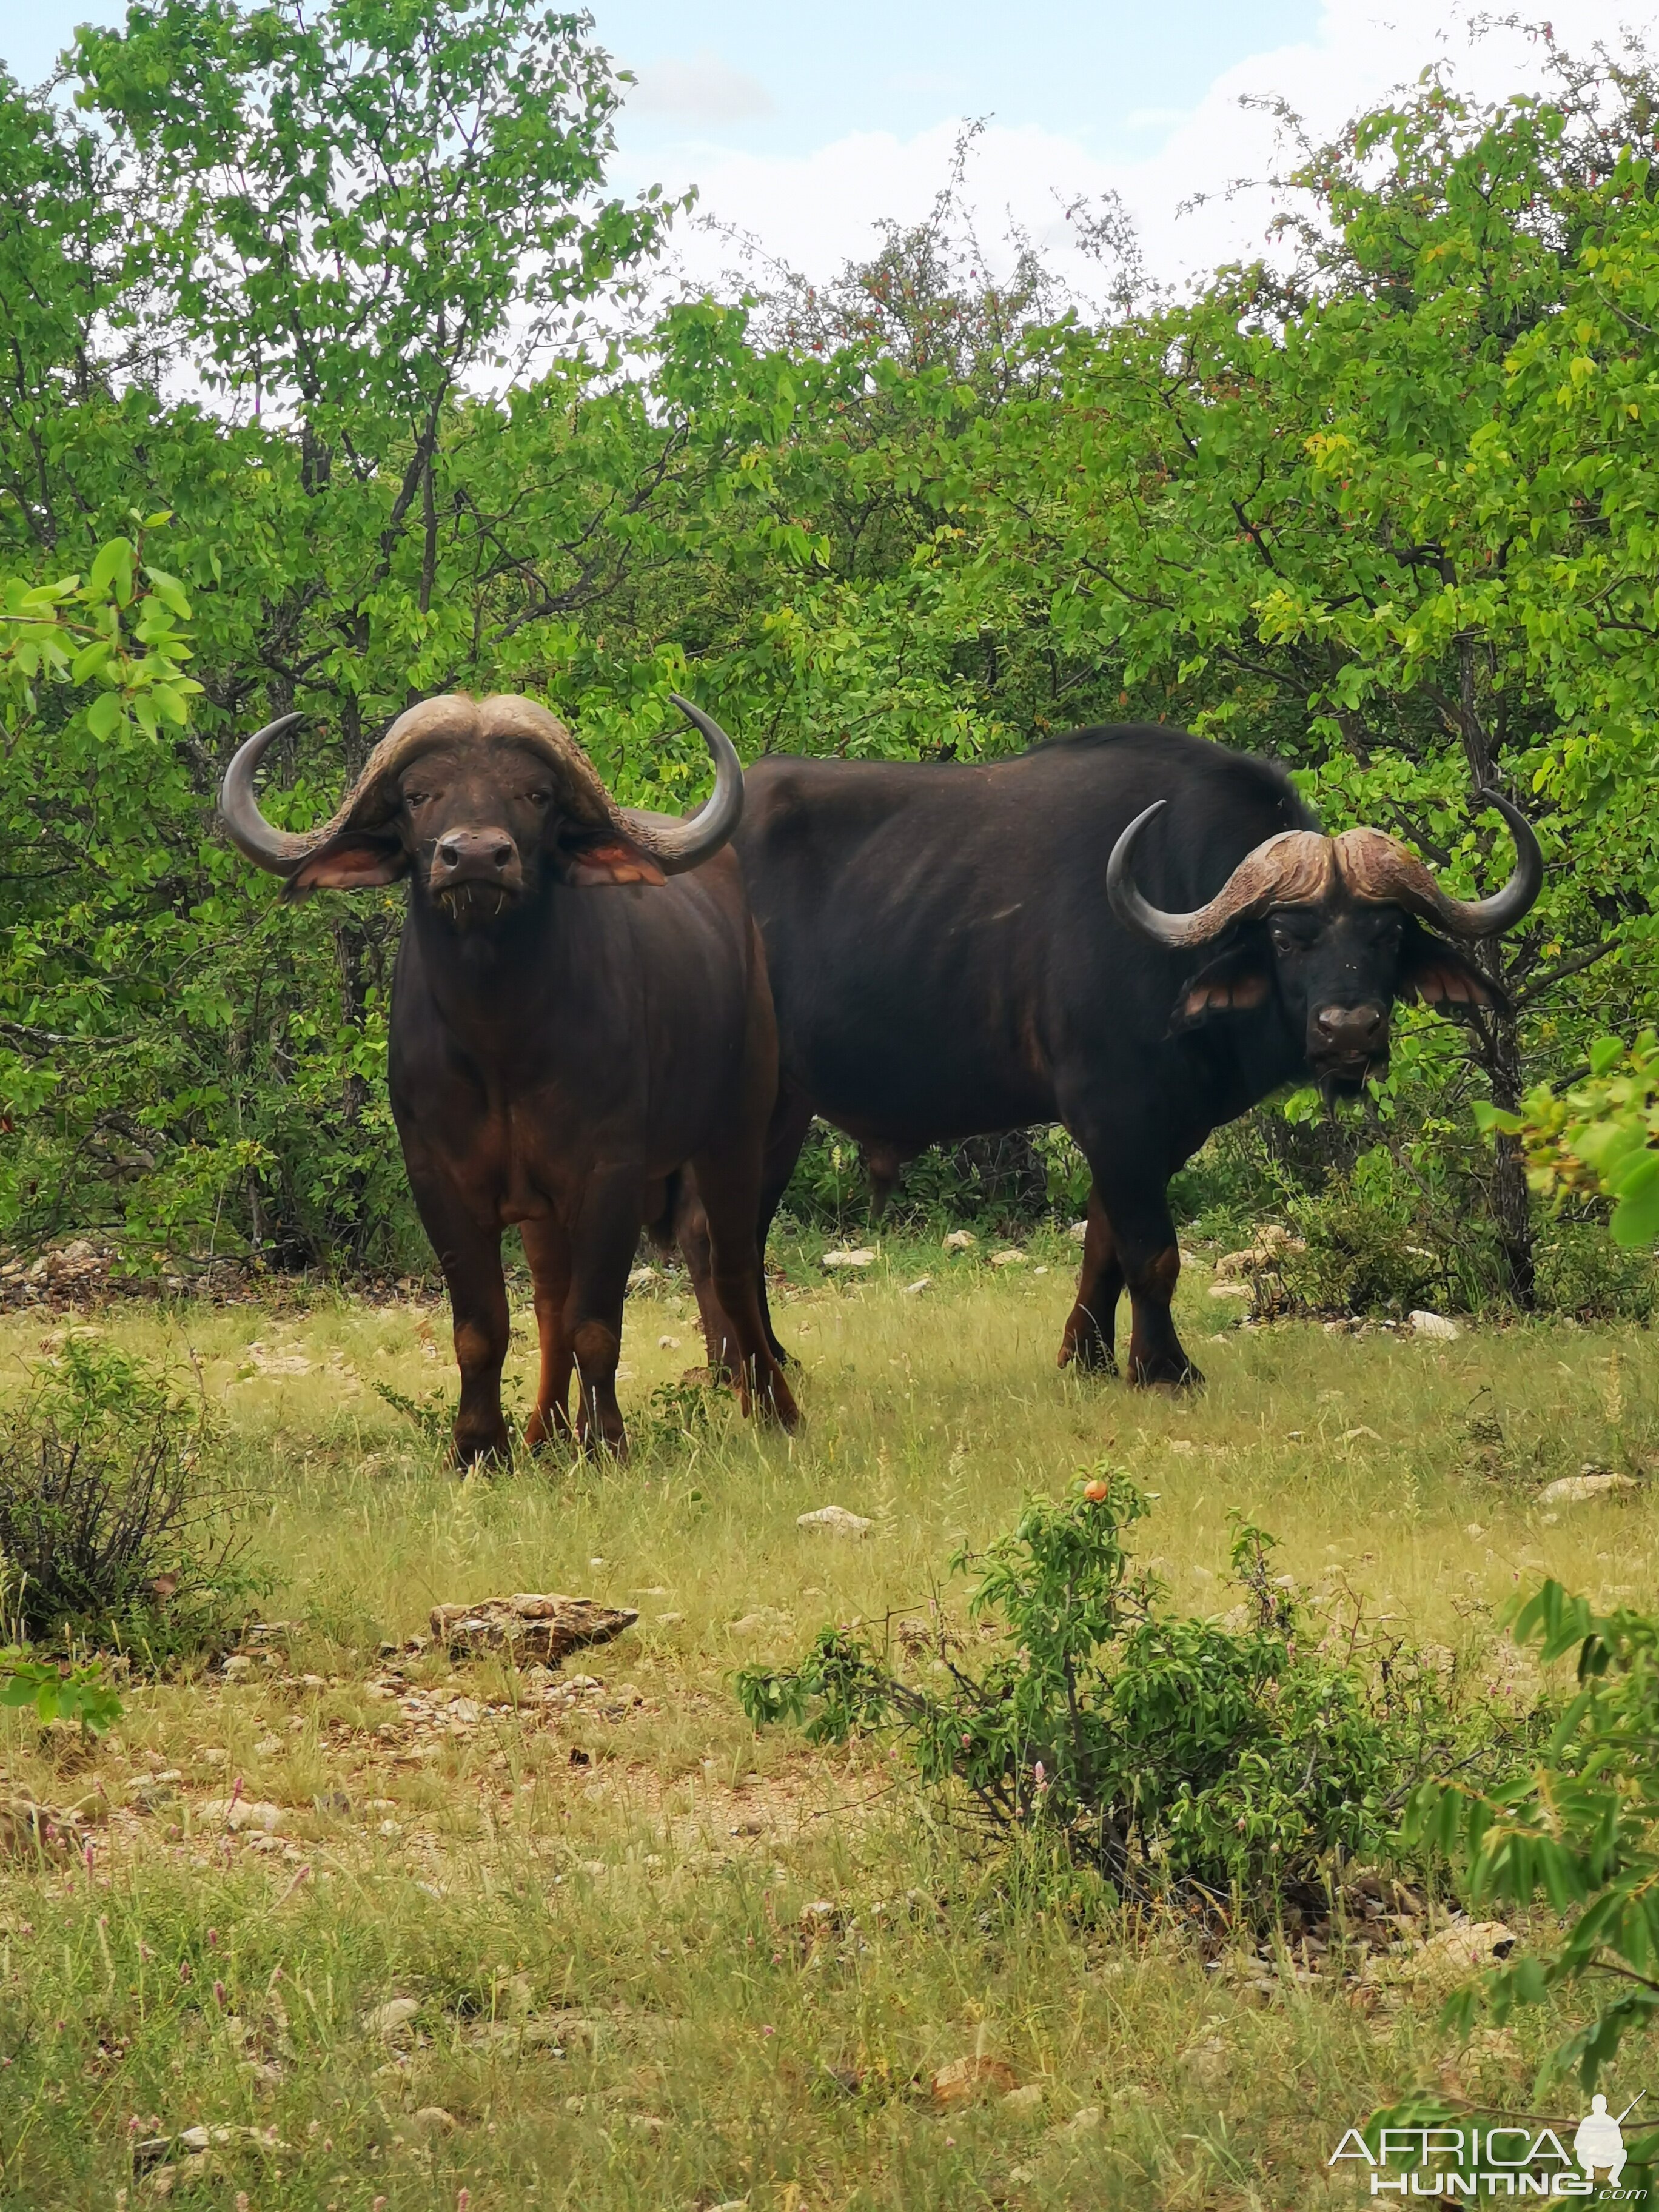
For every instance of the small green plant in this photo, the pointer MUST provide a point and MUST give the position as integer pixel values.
(679, 1413)
(112, 1528)
(79, 1692)
(1577, 1832)
(1222, 1761)
(434, 1415)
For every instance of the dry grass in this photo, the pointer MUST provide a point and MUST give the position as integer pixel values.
(641, 1914)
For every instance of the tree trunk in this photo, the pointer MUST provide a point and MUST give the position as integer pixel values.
(1500, 1036)
(1512, 1200)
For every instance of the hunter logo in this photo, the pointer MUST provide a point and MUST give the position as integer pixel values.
(1447, 2163)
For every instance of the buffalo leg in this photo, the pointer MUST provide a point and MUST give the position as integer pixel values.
(1129, 1185)
(471, 1257)
(1092, 1325)
(728, 1180)
(691, 1234)
(792, 1117)
(548, 1251)
(603, 1241)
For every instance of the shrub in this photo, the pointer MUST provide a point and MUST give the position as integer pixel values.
(110, 1527)
(1581, 1272)
(1578, 1832)
(1221, 1761)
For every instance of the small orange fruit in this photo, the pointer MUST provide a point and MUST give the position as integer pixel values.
(1097, 1492)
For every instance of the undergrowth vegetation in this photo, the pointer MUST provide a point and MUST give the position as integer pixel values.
(117, 1526)
(1224, 1765)
(755, 1952)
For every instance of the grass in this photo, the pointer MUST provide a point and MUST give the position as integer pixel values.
(599, 1912)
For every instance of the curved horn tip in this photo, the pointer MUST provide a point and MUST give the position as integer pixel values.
(1128, 902)
(1490, 917)
(691, 844)
(277, 850)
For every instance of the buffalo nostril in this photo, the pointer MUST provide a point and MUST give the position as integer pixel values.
(1354, 1025)
(502, 855)
(450, 855)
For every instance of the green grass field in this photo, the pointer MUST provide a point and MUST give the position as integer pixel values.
(597, 1910)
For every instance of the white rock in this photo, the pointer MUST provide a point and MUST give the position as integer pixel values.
(834, 1521)
(244, 1813)
(1579, 1489)
(922, 1282)
(863, 1257)
(668, 1344)
(392, 2017)
(1011, 1258)
(1077, 1232)
(961, 1240)
(1231, 1290)
(1424, 1323)
(642, 1278)
(1023, 2104)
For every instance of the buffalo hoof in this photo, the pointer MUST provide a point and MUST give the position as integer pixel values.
(492, 1449)
(1165, 1373)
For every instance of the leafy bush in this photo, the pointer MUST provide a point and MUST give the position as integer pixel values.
(1224, 1761)
(1600, 1136)
(1581, 1272)
(1577, 1832)
(111, 1528)
(1381, 1238)
(1014, 1178)
(65, 1692)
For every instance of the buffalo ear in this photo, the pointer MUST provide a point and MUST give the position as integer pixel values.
(607, 859)
(1444, 977)
(1235, 984)
(348, 864)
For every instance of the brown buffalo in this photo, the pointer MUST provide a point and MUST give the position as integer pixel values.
(556, 1056)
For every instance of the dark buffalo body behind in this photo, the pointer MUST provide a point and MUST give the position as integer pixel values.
(945, 962)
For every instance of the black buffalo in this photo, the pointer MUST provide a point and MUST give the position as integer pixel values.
(1130, 930)
(579, 1009)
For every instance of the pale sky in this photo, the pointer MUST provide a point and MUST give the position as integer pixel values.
(804, 125)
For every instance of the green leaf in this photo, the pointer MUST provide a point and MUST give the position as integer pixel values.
(112, 571)
(170, 591)
(106, 714)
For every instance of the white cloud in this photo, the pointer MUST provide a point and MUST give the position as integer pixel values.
(705, 90)
(817, 209)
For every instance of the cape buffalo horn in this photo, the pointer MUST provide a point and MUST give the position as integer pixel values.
(279, 850)
(1134, 911)
(688, 845)
(1490, 917)
(1290, 869)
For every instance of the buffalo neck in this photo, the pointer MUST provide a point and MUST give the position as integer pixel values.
(1247, 1057)
(491, 984)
